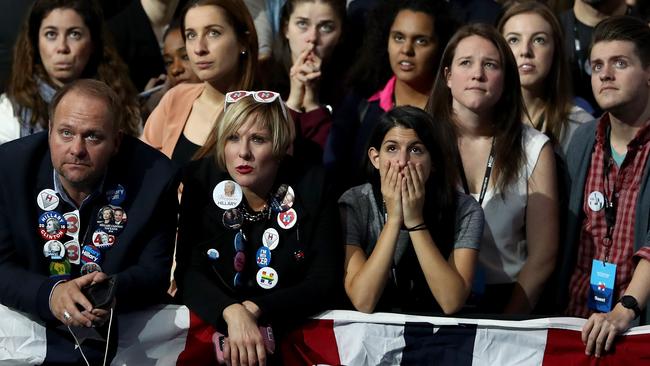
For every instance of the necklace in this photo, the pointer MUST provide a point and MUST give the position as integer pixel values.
(265, 214)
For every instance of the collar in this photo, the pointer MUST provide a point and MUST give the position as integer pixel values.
(58, 188)
(602, 132)
(385, 96)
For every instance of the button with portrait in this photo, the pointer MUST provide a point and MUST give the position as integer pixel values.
(232, 219)
(227, 194)
(90, 267)
(54, 250)
(283, 198)
(103, 240)
(52, 225)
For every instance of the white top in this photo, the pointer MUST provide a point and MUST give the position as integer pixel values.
(9, 124)
(503, 246)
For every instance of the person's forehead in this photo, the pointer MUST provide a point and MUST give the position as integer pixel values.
(610, 49)
(83, 111)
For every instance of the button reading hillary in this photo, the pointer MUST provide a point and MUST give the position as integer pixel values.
(90, 267)
(267, 278)
(52, 225)
(213, 254)
(596, 201)
(263, 257)
(287, 219)
(90, 253)
(116, 195)
(59, 268)
(103, 240)
(270, 238)
(227, 194)
(47, 200)
(72, 223)
(54, 250)
(73, 251)
(232, 219)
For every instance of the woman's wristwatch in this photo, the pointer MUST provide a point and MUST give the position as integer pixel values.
(629, 302)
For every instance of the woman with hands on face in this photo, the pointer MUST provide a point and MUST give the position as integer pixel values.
(411, 240)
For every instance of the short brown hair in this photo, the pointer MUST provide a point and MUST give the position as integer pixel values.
(625, 28)
(94, 89)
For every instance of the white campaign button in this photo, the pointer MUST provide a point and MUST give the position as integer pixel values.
(47, 200)
(267, 278)
(227, 194)
(596, 201)
(287, 219)
(270, 238)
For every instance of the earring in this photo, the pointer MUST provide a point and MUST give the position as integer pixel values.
(243, 52)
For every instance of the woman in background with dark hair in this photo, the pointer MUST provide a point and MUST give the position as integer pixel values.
(221, 44)
(397, 67)
(61, 41)
(411, 239)
(507, 166)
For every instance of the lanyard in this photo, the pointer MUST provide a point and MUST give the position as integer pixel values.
(611, 205)
(486, 178)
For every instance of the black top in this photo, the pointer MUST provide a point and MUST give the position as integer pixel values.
(308, 259)
(184, 150)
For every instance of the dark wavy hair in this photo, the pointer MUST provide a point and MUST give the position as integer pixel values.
(440, 141)
(557, 86)
(372, 70)
(625, 28)
(507, 113)
(104, 64)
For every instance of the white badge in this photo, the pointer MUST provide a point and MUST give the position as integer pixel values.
(47, 200)
(72, 218)
(267, 278)
(596, 201)
(287, 219)
(73, 251)
(227, 194)
(54, 249)
(270, 238)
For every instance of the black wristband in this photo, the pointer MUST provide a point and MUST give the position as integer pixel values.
(419, 227)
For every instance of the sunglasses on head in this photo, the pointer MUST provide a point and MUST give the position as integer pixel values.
(261, 96)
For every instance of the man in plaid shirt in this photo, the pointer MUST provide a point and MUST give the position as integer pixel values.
(606, 263)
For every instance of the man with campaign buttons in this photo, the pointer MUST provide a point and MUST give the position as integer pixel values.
(605, 271)
(68, 174)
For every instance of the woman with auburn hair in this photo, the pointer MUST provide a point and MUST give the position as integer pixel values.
(536, 39)
(264, 257)
(221, 44)
(61, 41)
(507, 166)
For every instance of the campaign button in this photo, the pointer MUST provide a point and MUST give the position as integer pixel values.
(270, 238)
(232, 219)
(596, 201)
(213, 254)
(73, 251)
(54, 250)
(299, 256)
(239, 242)
(240, 261)
(238, 281)
(52, 225)
(227, 194)
(90, 253)
(287, 219)
(263, 257)
(103, 240)
(47, 200)
(116, 195)
(283, 198)
(267, 278)
(59, 268)
(90, 267)
(72, 223)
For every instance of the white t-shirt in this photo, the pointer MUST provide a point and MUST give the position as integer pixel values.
(9, 124)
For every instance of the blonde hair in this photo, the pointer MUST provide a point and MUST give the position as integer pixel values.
(272, 116)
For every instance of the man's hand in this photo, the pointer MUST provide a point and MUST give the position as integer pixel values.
(66, 296)
(601, 329)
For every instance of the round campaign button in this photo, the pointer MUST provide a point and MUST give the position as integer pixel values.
(283, 198)
(111, 219)
(47, 200)
(227, 194)
(240, 261)
(103, 240)
(52, 225)
(90, 253)
(90, 267)
(596, 201)
(72, 223)
(267, 278)
(287, 219)
(73, 251)
(54, 250)
(116, 195)
(270, 238)
(263, 257)
(232, 219)
(213, 254)
(59, 268)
